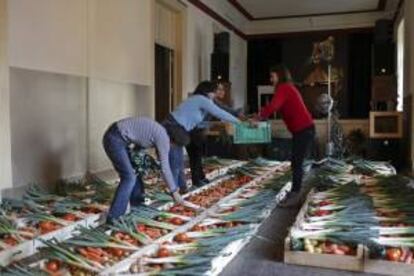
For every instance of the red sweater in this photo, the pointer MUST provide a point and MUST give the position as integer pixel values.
(288, 101)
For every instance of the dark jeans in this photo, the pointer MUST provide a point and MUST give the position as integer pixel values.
(131, 187)
(195, 152)
(176, 155)
(301, 146)
(176, 158)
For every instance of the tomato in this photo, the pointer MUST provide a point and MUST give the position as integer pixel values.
(119, 235)
(52, 266)
(181, 237)
(176, 221)
(321, 213)
(69, 217)
(344, 248)
(117, 252)
(163, 252)
(10, 240)
(393, 254)
(324, 203)
(47, 226)
(197, 228)
(140, 228)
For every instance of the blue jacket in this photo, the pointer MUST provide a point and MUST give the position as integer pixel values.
(193, 111)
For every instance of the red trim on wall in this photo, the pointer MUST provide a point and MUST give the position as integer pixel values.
(321, 32)
(217, 17)
(380, 7)
(241, 9)
(231, 27)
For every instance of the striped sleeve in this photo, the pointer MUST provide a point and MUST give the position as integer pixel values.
(162, 143)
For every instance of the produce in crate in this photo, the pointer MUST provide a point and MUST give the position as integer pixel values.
(77, 255)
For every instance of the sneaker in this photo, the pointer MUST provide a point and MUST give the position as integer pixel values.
(292, 199)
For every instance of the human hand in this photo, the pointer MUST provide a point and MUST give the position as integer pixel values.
(242, 117)
(177, 197)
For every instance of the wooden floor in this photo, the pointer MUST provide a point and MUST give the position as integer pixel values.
(264, 254)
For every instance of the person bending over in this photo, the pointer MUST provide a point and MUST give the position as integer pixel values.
(141, 133)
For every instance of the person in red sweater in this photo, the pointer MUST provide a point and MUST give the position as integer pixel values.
(289, 103)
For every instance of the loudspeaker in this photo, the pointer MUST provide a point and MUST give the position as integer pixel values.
(220, 66)
(384, 56)
(222, 42)
(383, 31)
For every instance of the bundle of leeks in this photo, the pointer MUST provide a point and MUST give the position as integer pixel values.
(68, 256)
(39, 195)
(20, 270)
(333, 166)
(98, 238)
(393, 201)
(191, 253)
(368, 167)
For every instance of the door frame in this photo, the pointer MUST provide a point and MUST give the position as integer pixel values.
(179, 9)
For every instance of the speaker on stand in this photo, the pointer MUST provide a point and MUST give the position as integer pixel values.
(220, 58)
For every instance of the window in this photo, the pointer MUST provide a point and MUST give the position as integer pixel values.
(400, 65)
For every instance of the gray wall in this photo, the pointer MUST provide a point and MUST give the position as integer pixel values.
(48, 126)
(57, 122)
(109, 101)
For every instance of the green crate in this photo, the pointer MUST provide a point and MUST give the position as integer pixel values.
(244, 134)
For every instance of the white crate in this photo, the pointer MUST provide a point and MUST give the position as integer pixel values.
(17, 252)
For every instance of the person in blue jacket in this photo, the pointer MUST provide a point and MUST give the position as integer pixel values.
(195, 148)
(186, 117)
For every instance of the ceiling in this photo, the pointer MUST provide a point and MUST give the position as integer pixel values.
(275, 9)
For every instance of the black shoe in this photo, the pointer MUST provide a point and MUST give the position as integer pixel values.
(183, 190)
(292, 199)
(205, 181)
(109, 221)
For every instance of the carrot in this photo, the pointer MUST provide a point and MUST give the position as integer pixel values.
(90, 255)
(95, 250)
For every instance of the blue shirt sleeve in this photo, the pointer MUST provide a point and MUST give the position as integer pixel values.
(210, 107)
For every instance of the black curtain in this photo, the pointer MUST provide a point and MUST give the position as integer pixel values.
(359, 74)
(262, 54)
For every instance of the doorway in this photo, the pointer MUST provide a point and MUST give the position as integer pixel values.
(164, 81)
(169, 47)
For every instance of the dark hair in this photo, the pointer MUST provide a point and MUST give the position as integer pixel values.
(282, 72)
(205, 87)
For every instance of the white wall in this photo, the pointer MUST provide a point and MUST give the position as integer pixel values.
(49, 35)
(105, 107)
(238, 70)
(76, 65)
(200, 29)
(5, 142)
(199, 46)
(48, 126)
(121, 43)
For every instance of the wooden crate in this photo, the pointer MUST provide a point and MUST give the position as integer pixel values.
(385, 267)
(341, 262)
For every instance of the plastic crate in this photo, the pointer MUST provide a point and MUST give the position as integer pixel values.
(245, 134)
